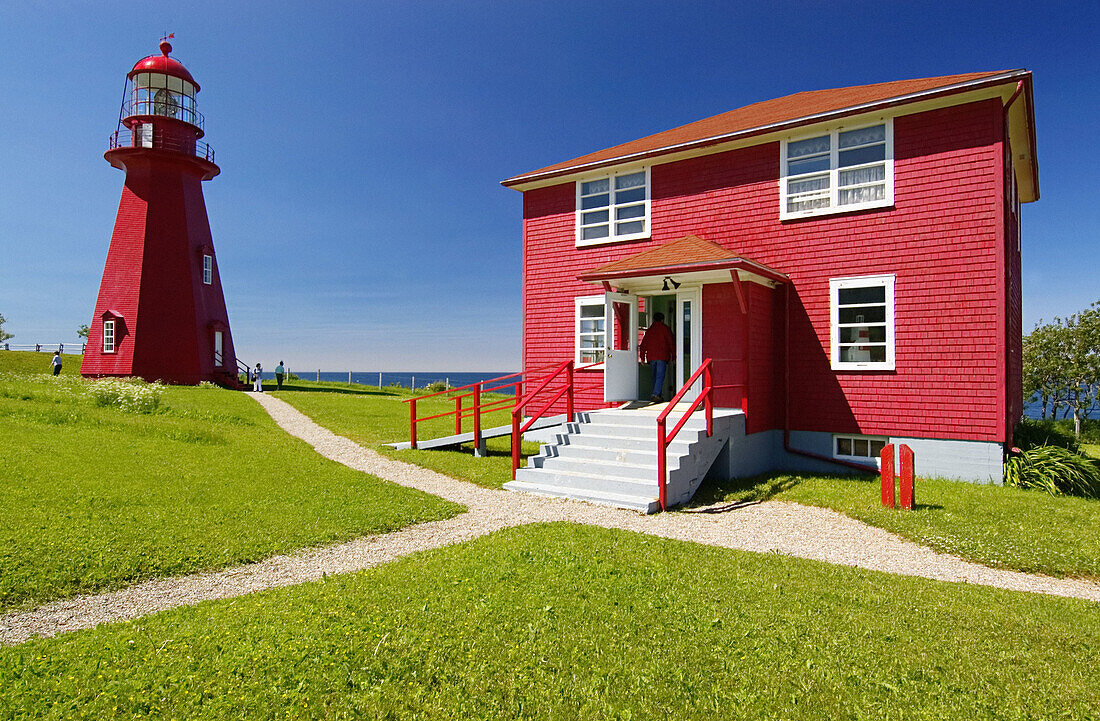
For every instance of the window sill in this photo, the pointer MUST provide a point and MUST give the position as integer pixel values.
(877, 462)
(806, 214)
(611, 241)
(863, 367)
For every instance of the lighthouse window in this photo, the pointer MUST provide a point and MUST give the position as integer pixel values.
(862, 322)
(207, 269)
(108, 336)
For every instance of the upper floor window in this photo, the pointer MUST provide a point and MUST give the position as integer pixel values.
(613, 208)
(862, 324)
(838, 171)
(207, 269)
(108, 336)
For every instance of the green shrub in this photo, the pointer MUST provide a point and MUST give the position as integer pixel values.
(436, 387)
(1054, 469)
(128, 394)
(1031, 433)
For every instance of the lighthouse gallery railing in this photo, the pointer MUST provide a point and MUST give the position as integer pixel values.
(127, 139)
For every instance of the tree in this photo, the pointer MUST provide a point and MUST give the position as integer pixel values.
(1082, 348)
(4, 336)
(1062, 364)
(1042, 371)
(82, 331)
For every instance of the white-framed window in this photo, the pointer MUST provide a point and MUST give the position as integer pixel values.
(108, 336)
(613, 207)
(218, 349)
(859, 448)
(862, 322)
(207, 269)
(589, 330)
(835, 172)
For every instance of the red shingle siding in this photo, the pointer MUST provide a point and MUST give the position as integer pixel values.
(941, 241)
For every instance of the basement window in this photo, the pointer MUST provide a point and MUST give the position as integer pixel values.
(862, 323)
(613, 208)
(589, 327)
(858, 448)
(108, 336)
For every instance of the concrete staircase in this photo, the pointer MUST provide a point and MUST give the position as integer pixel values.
(609, 457)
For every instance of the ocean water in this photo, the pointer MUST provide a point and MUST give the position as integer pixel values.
(405, 380)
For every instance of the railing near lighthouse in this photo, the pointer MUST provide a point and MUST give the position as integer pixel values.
(127, 139)
(179, 111)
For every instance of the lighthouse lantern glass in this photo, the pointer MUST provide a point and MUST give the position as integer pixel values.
(165, 95)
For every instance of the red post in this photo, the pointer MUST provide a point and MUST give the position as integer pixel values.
(708, 400)
(515, 442)
(569, 394)
(477, 419)
(905, 461)
(458, 414)
(661, 462)
(412, 424)
(887, 473)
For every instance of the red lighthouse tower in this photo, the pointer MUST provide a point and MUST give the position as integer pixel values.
(161, 312)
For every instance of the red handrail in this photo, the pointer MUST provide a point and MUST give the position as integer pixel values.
(477, 390)
(663, 440)
(567, 390)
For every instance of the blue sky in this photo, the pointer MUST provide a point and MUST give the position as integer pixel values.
(359, 221)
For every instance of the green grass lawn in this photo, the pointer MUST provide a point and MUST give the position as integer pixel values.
(12, 361)
(570, 622)
(372, 417)
(93, 498)
(998, 526)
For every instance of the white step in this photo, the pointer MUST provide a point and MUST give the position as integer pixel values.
(610, 457)
(574, 481)
(594, 440)
(633, 503)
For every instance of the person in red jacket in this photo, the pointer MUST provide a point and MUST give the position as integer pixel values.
(656, 347)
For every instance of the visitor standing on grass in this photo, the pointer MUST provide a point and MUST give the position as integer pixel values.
(279, 371)
(56, 362)
(656, 347)
(257, 378)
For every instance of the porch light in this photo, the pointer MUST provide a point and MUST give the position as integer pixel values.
(668, 279)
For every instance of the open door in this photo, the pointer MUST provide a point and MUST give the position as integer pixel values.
(620, 371)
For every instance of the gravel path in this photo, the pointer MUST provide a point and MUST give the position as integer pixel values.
(774, 526)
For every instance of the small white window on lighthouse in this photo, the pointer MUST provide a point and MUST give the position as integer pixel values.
(145, 135)
(108, 336)
(207, 269)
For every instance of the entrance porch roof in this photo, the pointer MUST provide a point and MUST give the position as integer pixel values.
(689, 258)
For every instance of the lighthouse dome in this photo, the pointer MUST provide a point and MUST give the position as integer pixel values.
(163, 64)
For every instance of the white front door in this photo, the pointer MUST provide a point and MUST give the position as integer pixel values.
(217, 349)
(689, 339)
(620, 370)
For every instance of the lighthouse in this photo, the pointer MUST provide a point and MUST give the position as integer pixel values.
(161, 312)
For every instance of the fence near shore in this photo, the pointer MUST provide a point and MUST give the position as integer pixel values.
(45, 347)
(381, 379)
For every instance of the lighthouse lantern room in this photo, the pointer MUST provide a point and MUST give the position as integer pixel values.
(161, 311)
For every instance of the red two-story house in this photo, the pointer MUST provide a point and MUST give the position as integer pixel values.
(848, 259)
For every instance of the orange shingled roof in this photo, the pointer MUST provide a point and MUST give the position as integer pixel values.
(688, 254)
(685, 251)
(788, 109)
